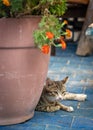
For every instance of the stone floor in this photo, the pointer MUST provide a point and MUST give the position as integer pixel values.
(80, 72)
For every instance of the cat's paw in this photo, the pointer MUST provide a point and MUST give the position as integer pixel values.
(82, 97)
(70, 109)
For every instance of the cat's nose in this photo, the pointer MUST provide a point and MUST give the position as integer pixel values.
(60, 97)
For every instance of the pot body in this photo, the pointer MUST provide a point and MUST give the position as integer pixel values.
(23, 70)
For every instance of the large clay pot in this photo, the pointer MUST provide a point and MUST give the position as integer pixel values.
(23, 70)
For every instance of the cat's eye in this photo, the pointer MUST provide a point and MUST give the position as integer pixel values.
(56, 92)
(50, 94)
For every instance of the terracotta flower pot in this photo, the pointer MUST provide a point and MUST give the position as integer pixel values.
(23, 70)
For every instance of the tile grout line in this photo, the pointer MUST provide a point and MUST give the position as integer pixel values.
(72, 121)
(84, 89)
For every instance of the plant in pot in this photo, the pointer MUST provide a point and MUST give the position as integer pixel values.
(25, 42)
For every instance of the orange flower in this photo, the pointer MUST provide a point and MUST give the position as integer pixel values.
(63, 44)
(45, 49)
(69, 33)
(65, 22)
(49, 35)
(6, 2)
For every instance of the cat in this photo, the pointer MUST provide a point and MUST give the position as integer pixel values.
(53, 92)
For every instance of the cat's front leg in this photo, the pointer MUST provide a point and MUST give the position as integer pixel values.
(53, 108)
(48, 108)
(65, 108)
(73, 96)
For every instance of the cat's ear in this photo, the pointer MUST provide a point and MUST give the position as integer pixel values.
(48, 81)
(47, 89)
(65, 80)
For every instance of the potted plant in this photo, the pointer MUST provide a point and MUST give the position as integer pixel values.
(23, 66)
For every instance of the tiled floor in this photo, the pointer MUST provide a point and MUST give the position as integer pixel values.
(80, 72)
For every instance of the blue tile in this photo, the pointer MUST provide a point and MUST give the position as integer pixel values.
(89, 90)
(52, 118)
(23, 127)
(53, 127)
(37, 127)
(82, 76)
(84, 112)
(89, 102)
(82, 122)
(74, 89)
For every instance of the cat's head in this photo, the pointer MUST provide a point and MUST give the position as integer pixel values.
(54, 89)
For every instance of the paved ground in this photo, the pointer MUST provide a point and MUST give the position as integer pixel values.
(80, 72)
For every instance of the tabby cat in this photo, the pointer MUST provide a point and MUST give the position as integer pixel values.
(53, 92)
